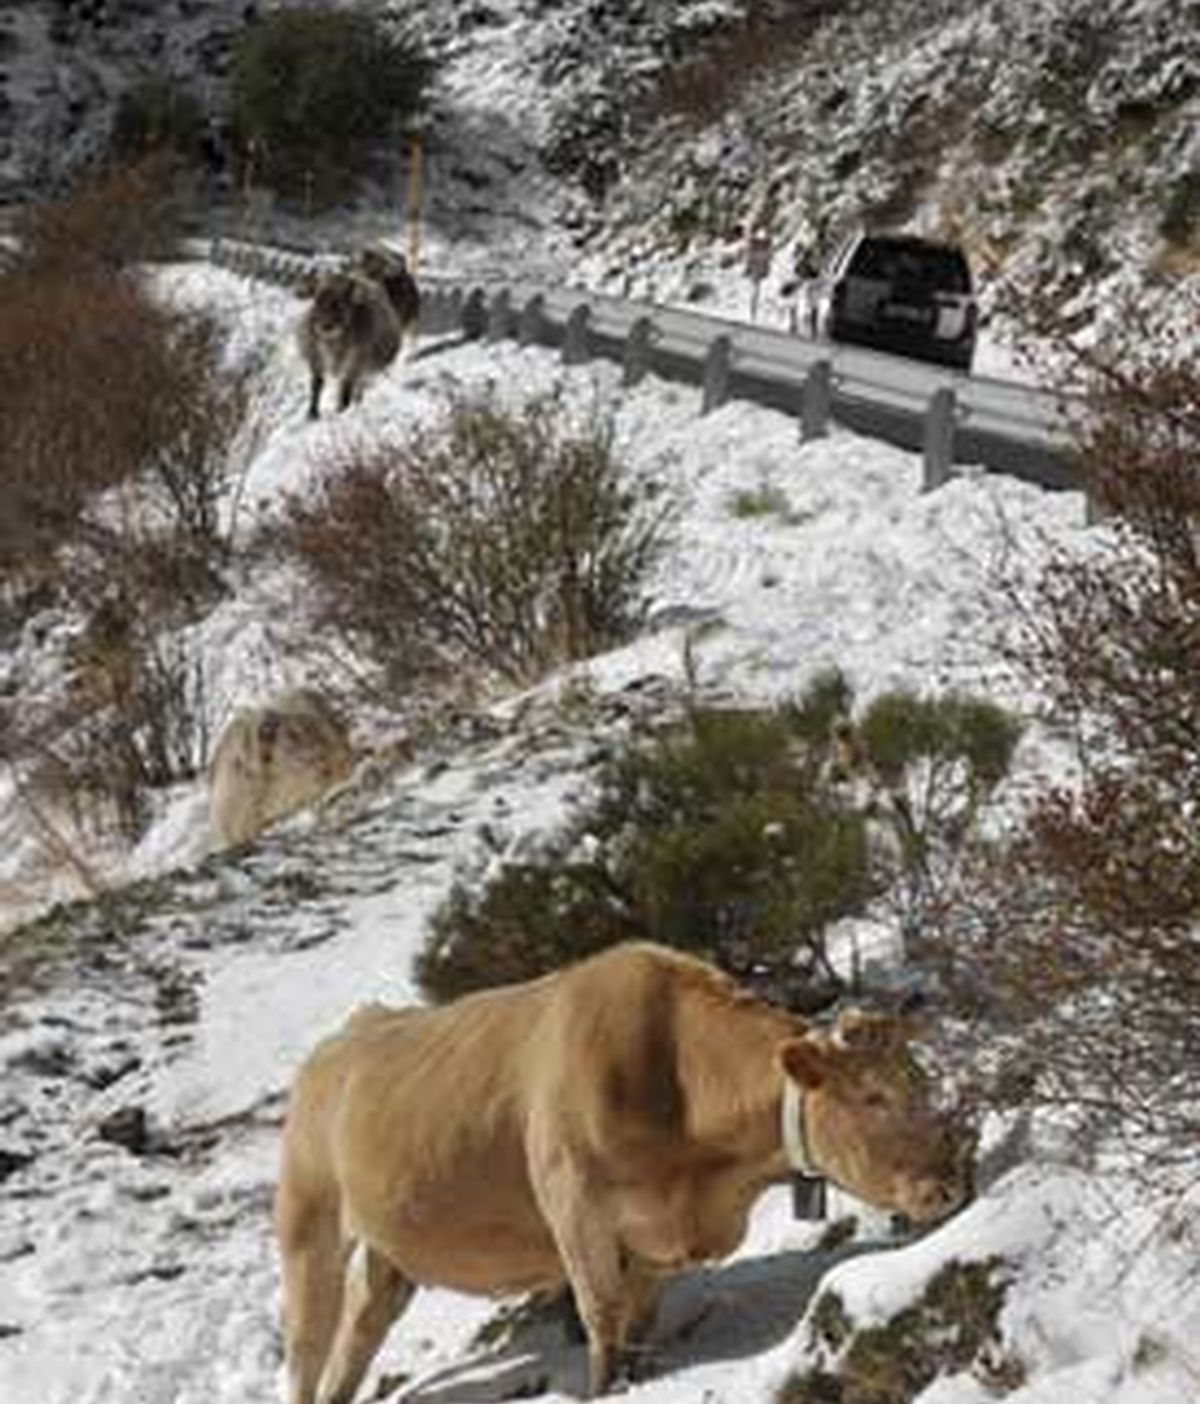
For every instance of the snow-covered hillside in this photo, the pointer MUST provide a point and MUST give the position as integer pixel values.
(147, 1040)
(633, 144)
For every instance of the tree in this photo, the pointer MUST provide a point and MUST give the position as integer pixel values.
(315, 89)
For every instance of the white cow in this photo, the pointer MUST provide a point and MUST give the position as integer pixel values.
(274, 759)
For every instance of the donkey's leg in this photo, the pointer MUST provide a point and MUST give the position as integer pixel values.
(376, 1293)
(314, 1268)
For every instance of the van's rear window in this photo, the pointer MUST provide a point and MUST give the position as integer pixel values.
(905, 261)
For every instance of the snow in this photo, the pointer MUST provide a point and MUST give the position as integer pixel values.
(151, 1277)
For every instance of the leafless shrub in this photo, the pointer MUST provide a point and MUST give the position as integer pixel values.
(78, 351)
(703, 88)
(499, 542)
(1080, 938)
(138, 564)
(125, 215)
(131, 721)
(119, 422)
(201, 409)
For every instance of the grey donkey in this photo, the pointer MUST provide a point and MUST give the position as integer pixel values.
(350, 333)
(389, 268)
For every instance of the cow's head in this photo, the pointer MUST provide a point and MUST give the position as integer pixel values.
(870, 1124)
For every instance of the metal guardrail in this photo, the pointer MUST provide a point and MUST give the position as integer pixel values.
(947, 416)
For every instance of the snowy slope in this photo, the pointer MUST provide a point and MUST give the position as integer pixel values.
(181, 1005)
(136, 1265)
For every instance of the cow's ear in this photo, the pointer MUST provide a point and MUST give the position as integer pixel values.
(807, 1061)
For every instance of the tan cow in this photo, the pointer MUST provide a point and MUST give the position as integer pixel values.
(349, 332)
(274, 759)
(604, 1126)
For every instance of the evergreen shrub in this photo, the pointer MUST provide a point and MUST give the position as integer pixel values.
(741, 835)
(724, 834)
(156, 115)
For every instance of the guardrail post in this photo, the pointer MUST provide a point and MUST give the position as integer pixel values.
(429, 317)
(638, 345)
(531, 324)
(815, 401)
(939, 438)
(447, 310)
(499, 317)
(1095, 509)
(473, 317)
(454, 312)
(575, 343)
(716, 374)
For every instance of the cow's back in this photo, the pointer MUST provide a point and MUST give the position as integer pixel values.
(415, 1121)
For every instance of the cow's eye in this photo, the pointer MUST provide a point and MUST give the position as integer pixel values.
(876, 1099)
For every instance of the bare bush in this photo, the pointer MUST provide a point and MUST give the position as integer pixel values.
(119, 421)
(125, 215)
(1081, 939)
(138, 563)
(501, 542)
(101, 386)
(132, 720)
(202, 432)
(77, 352)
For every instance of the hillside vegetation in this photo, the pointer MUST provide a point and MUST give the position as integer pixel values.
(616, 668)
(1057, 139)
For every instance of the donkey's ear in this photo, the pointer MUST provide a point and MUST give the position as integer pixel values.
(864, 1031)
(808, 1061)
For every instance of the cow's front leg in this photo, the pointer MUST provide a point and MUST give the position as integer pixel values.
(591, 1258)
(640, 1290)
(314, 395)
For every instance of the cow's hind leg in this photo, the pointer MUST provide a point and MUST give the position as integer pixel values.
(314, 1269)
(376, 1293)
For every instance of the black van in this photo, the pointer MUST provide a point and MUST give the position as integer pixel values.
(899, 293)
